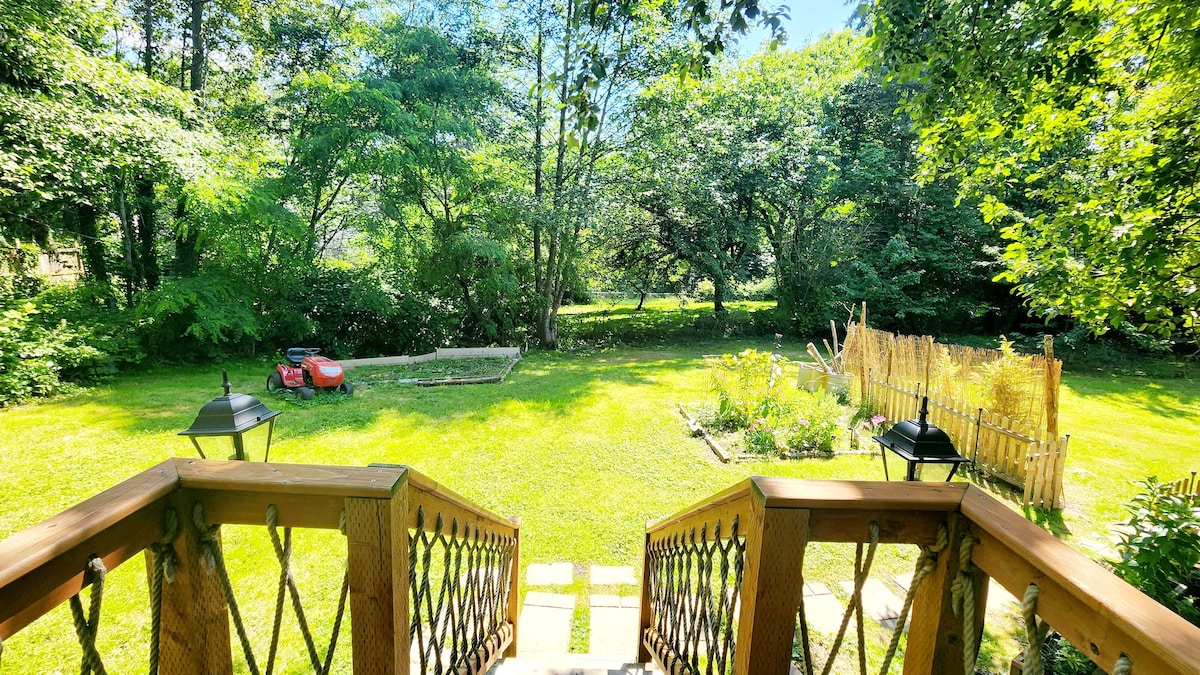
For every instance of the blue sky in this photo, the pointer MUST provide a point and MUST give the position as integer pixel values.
(809, 19)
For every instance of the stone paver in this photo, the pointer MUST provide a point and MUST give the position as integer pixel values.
(608, 575)
(878, 602)
(824, 612)
(553, 574)
(614, 625)
(816, 589)
(903, 580)
(546, 623)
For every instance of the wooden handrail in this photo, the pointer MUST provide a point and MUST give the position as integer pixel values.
(1091, 607)
(43, 566)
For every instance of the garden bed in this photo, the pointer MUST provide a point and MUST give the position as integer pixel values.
(478, 370)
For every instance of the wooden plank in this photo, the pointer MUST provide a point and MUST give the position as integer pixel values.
(378, 482)
(734, 493)
(513, 611)
(858, 495)
(42, 566)
(377, 567)
(771, 590)
(937, 647)
(478, 352)
(239, 507)
(437, 498)
(723, 514)
(1089, 605)
(645, 606)
(895, 526)
(195, 619)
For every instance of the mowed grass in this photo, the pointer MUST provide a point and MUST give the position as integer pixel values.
(584, 447)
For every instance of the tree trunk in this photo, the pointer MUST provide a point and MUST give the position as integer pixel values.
(718, 295)
(132, 267)
(641, 300)
(147, 224)
(93, 248)
(187, 248)
(187, 239)
(199, 54)
(538, 150)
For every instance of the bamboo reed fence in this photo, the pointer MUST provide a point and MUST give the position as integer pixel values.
(1001, 410)
(1186, 487)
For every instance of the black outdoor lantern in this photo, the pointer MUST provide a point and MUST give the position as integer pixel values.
(233, 422)
(919, 442)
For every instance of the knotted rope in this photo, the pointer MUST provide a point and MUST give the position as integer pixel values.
(164, 568)
(1034, 633)
(1123, 666)
(287, 583)
(213, 561)
(86, 628)
(862, 570)
(962, 594)
(925, 564)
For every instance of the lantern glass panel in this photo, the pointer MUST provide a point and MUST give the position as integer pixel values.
(254, 441)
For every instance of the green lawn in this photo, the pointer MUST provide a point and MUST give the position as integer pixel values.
(584, 447)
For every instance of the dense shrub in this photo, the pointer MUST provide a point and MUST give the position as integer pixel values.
(353, 313)
(815, 425)
(1159, 548)
(66, 335)
(203, 317)
(753, 395)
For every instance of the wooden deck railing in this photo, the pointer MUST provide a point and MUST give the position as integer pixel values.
(732, 566)
(421, 561)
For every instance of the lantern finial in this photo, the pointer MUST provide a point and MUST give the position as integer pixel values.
(225, 382)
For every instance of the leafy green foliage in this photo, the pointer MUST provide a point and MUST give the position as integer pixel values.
(753, 395)
(1159, 548)
(1075, 124)
(749, 387)
(65, 336)
(815, 423)
(199, 317)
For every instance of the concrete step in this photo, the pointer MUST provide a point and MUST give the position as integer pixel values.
(569, 664)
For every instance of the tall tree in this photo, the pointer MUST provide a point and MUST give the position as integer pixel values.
(1075, 123)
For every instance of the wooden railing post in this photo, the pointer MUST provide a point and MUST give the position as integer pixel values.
(514, 588)
(771, 588)
(377, 564)
(645, 610)
(935, 640)
(194, 625)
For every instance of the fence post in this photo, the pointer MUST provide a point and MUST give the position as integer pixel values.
(771, 588)
(194, 624)
(514, 587)
(377, 565)
(935, 644)
(1050, 395)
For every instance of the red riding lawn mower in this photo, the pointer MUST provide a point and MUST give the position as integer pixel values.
(306, 373)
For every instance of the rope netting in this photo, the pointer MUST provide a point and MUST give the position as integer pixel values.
(694, 583)
(962, 593)
(459, 581)
(213, 561)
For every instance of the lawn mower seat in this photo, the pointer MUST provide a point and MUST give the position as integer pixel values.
(296, 354)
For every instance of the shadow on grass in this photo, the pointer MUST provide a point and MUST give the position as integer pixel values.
(546, 383)
(1167, 397)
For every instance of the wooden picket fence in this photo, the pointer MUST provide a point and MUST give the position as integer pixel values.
(1187, 487)
(1010, 450)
